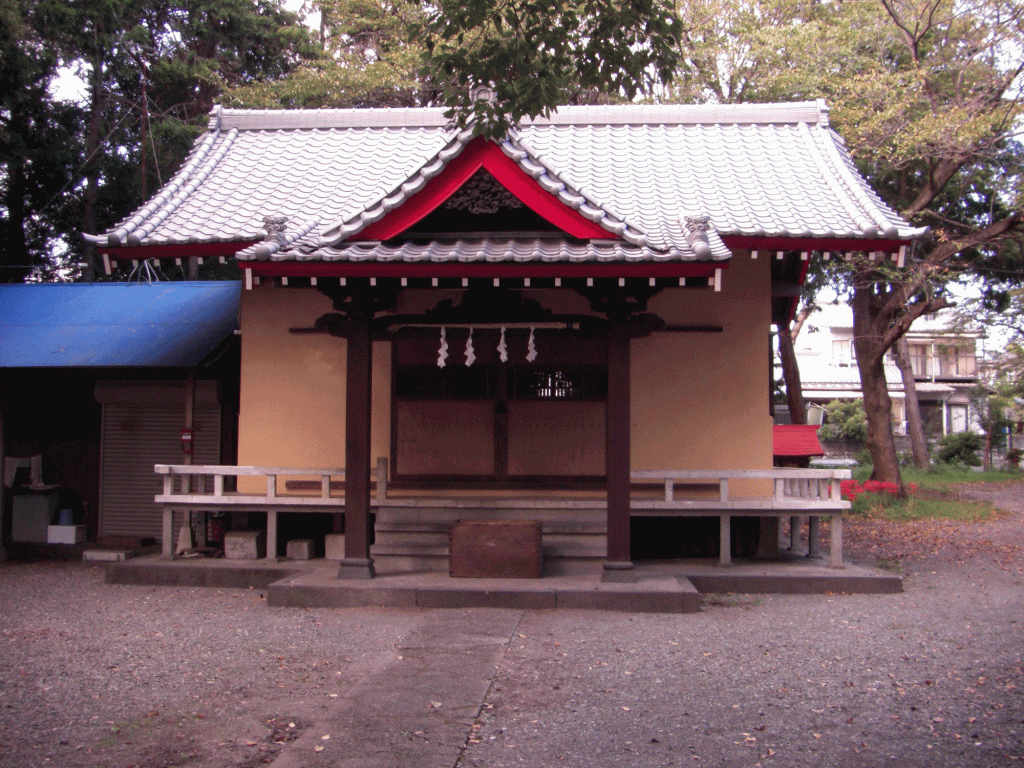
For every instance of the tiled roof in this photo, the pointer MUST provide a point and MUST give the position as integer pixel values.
(485, 249)
(754, 170)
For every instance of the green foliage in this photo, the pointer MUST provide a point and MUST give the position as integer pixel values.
(960, 448)
(153, 70)
(40, 148)
(876, 505)
(368, 60)
(927, 95)
(537, 54)
(844, 419)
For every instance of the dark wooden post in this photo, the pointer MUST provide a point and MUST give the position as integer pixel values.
(618, 566)
(359, 363)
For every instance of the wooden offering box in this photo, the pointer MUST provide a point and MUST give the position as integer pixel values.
(503, 549)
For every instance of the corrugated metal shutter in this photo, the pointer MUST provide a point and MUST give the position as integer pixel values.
(135, 437)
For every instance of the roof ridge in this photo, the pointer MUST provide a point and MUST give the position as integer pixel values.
(815, 112)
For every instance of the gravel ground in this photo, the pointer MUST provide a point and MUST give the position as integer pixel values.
(116, 676)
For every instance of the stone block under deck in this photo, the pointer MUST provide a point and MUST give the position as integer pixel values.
(334, 546)
(245, 545)
(299, 549)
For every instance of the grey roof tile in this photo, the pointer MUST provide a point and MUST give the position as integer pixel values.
(468, 250)
(775, 170)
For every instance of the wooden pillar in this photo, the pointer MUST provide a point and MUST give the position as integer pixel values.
(359, 362)
(618, 566)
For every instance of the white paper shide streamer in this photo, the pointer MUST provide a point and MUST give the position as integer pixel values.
(470, 352)
(442, 353)
(531, 348)
(502, 347)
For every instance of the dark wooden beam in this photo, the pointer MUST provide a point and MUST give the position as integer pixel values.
(359, 362)
(619, 565)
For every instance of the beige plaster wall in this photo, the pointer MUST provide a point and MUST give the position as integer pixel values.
(292, 402)
(700, 400)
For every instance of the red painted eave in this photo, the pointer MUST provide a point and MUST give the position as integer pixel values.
(481, 153)
(483, 269)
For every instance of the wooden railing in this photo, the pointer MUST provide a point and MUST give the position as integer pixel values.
(814, 493)
(189, 493)
(792, 488)
(796, 493)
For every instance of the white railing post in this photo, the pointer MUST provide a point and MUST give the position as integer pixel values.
(836, 555)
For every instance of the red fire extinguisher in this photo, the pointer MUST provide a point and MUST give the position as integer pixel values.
(187, 442)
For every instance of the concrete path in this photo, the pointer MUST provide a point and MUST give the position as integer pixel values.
(416, 708)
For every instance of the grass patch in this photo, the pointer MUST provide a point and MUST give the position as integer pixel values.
(935, 504)
(936, 498)
(945, 474)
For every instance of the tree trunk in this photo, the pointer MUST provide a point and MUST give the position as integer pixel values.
(92, 144)
(877, 403)
(986, 457)
(914, 426)
(791, 374)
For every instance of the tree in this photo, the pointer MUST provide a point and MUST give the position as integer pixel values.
(844, 420)
(990, 407)
(533, 55)
(40, 147)
(918, 445)
(927, 95)
(153, 70)
(368, 59)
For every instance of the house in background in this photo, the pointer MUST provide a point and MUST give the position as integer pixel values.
(521, 321)
(944, 360)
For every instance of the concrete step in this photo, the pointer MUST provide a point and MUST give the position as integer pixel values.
(417, 537)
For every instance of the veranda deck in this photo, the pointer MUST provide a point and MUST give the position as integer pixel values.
(796, 494)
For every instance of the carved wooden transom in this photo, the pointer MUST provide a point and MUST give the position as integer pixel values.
(482, 194)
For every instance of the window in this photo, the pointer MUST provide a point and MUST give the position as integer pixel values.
(558, 384)
(843, 352)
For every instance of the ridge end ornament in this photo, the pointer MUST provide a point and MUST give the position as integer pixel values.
(696, 229)
(275, 227)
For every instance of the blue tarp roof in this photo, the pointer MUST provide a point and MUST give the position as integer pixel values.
(76, 325)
